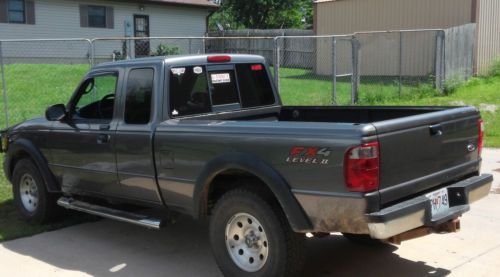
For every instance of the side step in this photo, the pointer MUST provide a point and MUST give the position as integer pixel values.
(129, 217)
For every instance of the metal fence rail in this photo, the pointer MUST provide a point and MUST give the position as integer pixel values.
(308, 70)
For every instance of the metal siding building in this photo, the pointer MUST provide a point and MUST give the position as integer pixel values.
(349, 16)
(488, 34)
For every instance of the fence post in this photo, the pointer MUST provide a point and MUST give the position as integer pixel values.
(189, 43)
(92, 53)
(4, 88)
(334, 71)
(439, 60)
(276, 65)
(355, 79)
(400, 66)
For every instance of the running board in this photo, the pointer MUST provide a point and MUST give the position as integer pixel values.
(129, 217)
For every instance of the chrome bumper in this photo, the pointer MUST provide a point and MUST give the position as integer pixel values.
(416, 212)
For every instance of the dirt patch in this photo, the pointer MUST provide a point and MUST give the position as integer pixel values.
(488, 108)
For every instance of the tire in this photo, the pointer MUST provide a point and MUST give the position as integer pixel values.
(33, 202)
(265, 240)
(362, 239)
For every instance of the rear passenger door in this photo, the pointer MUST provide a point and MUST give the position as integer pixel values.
(134, 133)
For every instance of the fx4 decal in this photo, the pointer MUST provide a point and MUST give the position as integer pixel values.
(308, 155)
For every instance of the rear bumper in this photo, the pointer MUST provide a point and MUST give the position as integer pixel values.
(416, 212)
(348, 212)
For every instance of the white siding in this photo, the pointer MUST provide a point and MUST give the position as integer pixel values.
(61, 19)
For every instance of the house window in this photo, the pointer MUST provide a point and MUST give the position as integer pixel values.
(97, 16)
(16, 11)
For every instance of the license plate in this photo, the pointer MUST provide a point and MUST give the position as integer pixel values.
(439, 201)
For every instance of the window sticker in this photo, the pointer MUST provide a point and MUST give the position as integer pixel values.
(220, 78)
(178, 71)
(198, 70)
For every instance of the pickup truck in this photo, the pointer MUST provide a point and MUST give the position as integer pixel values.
(207, 136)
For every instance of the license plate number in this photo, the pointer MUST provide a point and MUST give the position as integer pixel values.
(439, 201)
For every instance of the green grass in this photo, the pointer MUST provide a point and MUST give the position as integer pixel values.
(32, 88)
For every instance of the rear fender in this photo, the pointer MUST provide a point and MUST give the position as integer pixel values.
(253, 165)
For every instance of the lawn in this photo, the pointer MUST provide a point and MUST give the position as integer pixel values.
(32, 88)
(298, 87)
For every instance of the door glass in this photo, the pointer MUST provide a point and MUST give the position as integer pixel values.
(139, 92)
(97, 98)
(141, 26)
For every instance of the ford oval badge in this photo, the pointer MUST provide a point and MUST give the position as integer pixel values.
(471, 147)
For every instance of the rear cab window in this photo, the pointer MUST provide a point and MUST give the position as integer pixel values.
(203, 89)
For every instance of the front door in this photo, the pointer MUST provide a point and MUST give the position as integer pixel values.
(141, 29)
(82, 146)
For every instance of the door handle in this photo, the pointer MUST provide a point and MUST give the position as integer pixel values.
(436, 130)
(104, 127)
(103, 138)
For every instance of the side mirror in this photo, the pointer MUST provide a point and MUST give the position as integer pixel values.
(56, 112)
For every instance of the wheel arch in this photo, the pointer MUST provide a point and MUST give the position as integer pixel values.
(252, 167)
(23, 148)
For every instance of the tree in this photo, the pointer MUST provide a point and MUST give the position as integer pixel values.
(263, 14)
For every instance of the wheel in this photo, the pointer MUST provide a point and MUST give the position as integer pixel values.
(250, 237)
(34, 203)
(362, 239)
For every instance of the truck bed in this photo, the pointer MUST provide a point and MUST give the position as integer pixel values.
(421, 148)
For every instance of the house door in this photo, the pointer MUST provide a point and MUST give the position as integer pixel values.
(141, 29)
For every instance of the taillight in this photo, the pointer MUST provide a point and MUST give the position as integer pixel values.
(361, 167)
(218, 59)
(480, 125)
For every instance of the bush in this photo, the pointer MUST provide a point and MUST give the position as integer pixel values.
(166, 50)
(495, 68)
(450, 85)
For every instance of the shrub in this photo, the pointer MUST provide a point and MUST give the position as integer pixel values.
(166, 50)
(451, 84)
(495, 68)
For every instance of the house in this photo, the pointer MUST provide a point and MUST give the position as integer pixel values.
(29, 19)
(349, 16)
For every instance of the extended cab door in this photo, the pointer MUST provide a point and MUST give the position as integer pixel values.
(134, 154)
(82, 146)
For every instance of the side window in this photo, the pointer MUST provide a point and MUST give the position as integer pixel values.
(189, 91)
(97, 98)
(139, 93)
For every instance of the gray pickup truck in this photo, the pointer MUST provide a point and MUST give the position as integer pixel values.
(207, 136)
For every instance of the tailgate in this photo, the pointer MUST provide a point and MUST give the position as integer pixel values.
(424, 151)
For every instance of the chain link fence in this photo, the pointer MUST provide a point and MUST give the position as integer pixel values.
(308, 70)
(35, 74)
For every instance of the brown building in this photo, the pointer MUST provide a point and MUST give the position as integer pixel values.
(349, 16)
